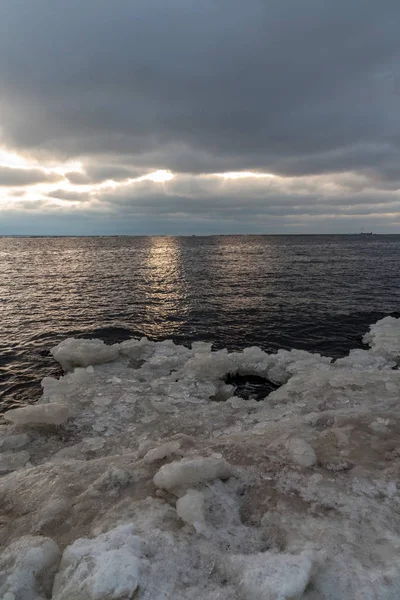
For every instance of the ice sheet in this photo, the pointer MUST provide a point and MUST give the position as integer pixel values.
(154, 481)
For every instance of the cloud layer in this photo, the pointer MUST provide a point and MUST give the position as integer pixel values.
(307, 91)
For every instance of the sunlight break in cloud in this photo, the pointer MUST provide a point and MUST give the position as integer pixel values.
(158, 176)
(243, 175)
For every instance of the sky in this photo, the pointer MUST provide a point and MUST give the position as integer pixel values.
(199, 117)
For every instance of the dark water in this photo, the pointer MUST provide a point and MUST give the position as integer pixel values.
(318, 293)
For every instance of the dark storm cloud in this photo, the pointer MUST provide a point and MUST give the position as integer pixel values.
(15, 177)
(286, 86)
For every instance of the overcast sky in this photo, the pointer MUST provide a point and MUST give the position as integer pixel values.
(214, 116)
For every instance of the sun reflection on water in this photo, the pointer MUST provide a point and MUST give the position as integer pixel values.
(166, 302)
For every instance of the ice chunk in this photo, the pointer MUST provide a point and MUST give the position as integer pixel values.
(161, 451)
(301, 452)
(364, 360)
(94, 443)
(11, 461)
(285, 364)
(39, 414)
(190, 472)
(75, 452)
(113, 480)
(14, 442)
(190, 508)
(72, 353)
(137, 350)
(199, 347)
(209, 366)
(102, 568)
(144, 447)
(269, 576)
(384, 338)
(27, 568)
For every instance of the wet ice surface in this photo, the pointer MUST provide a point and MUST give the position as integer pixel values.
(140, 474)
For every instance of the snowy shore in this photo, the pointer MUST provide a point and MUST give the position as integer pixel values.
(140, 475)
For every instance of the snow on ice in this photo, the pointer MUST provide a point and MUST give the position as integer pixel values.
(140, 474)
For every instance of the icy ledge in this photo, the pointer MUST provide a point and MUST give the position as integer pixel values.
(140, 475)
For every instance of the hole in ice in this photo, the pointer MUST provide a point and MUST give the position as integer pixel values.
(250, 387)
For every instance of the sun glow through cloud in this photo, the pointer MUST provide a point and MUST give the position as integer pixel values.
(243, 175)
(158, 176)
(11, 159)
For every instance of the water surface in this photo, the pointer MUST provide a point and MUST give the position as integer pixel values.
(318, 293)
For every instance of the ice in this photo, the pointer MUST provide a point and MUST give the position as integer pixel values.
(14, 442)
(161, 451)
(190, 508)
(271, 576)
(103, 568)
(73, 353)
(188, 472)
(384, 338)
(293, 496)
(39, 414)
(301, 452)
(10, 461)
(365, 361)
(27, 567)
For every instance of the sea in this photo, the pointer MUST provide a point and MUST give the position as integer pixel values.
(314, 292)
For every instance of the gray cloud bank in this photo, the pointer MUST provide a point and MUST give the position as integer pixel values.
(294, 88)
(14, 177)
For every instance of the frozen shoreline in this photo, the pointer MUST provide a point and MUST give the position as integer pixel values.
(140, 474)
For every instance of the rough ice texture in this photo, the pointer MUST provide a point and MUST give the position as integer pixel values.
(14, 442)
(106, 567)
(384, 338)
(27, 568)
(295, 496)
(11, 461)
(272, 576)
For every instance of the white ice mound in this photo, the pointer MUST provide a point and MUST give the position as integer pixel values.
(384, 338)
(102, 568)
(39, 414)
(301, 452)
(189, 472)
(27, 568)
(73, 353)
